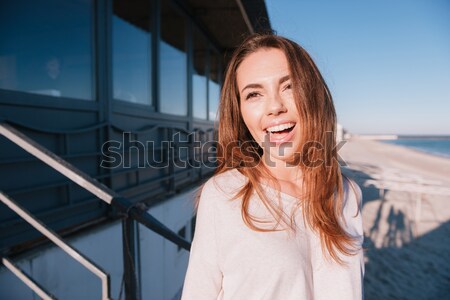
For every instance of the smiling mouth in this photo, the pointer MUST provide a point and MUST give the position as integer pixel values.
(280, 129)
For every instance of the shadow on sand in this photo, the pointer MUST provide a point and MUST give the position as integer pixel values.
(399, 265)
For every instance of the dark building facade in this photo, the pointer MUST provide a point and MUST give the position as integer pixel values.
(126, 91)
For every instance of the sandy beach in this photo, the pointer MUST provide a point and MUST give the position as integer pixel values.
(406, 215)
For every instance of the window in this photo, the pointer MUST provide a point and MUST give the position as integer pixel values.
(214, 85)
(199, 76)
(132, 51)
(46, 47)
(173, 62)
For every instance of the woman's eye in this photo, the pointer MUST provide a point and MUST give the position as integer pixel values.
(287, 87)
(252, 95)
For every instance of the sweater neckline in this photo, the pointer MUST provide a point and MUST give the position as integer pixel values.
(267, 186)
(282, 194)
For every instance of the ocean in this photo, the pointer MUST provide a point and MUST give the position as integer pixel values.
(436, 146)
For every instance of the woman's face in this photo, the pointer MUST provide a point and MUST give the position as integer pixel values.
(267, 103)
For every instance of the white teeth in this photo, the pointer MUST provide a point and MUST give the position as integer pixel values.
(280, 127)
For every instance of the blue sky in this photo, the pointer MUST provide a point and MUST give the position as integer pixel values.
(387, 63)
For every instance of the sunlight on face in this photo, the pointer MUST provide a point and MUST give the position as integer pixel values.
(267, 103)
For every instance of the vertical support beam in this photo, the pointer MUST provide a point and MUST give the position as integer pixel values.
(190, 71)
(104, 83)
(131, 259)
(156, 38)
(173, 154)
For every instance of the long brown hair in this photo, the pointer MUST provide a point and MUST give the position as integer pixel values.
(322, 187)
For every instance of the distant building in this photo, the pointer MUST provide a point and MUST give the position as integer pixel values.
(104, 85)
(374, 136)
(339, 132)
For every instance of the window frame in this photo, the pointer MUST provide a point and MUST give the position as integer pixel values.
(17, 97)
(123, 106)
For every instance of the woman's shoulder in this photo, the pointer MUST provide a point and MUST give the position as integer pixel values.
(226, 184)
(216, 193)
(352, 191)
(352, 206)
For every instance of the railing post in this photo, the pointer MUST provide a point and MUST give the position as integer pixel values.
(131, 257)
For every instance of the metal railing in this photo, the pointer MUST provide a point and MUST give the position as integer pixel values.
(39, 290)
(129, 210)
(27, 216)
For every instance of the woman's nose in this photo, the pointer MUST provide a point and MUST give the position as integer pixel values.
(275, 105)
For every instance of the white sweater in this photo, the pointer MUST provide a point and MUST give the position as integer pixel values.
(229, 261)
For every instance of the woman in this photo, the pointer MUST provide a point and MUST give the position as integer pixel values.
(278, 220)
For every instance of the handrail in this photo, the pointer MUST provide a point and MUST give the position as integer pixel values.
(124, 206)
(54, 161)
(56, 131)
(93, 186)
(142, 130)
(39, 290)
(51, 235)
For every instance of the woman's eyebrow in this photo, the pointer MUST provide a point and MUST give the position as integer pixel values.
(252, 85)
(284, 78)
(257, 85)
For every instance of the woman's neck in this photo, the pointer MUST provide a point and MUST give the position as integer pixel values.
(283, 171)
(288, 179)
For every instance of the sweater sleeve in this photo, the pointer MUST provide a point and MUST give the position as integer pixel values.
(203, 279)
(338, 282)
